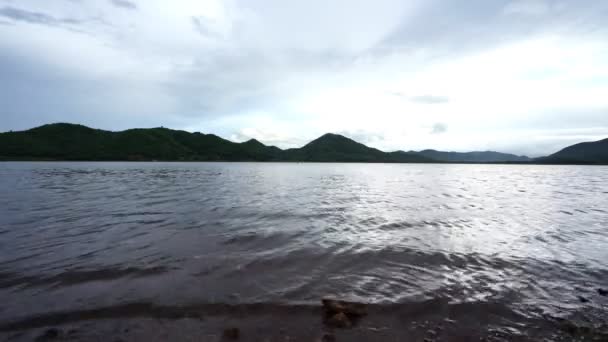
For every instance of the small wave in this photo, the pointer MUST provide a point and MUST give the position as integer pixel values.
(200, 310)
(239, 239)
(73, 277)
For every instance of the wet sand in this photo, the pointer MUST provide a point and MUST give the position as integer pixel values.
(429, 321)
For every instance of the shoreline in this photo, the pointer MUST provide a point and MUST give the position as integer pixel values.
(291, 162)
(433, 320)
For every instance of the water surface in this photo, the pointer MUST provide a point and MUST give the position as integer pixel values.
(75, 236)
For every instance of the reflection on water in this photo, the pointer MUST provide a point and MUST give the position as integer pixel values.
(81, 235)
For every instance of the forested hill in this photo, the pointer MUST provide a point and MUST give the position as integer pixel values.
(64, 141)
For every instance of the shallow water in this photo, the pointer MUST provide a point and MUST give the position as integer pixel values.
(527, 239)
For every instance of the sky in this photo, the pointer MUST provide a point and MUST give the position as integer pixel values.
(520, 76)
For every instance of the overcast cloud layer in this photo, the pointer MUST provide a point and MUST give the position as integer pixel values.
(527, 77)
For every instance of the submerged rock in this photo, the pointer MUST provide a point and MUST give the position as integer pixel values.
(352, 309)
(339, 320)
(231, 333)
(342, 314)
(574, 329)
(49, 334)
(327, 337)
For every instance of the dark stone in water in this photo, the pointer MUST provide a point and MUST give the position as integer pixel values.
(327, 337)
(602, 292)
(342, 314)
(350, 309)
(49, 334)
(582, 299)
(574, 329)
(231, 333)
(339, 320)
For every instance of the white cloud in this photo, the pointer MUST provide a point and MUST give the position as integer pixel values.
(384, 72)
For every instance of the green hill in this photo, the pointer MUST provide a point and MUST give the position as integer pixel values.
(75, 142)
(64, 141)
(595, 152)
(334, 147)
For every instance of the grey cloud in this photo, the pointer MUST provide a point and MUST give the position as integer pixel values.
(33, 94)
(227, 80)
(221, 84)
(201, 26)
(535, 8)
(479, 24)
(429, 99)
(35, 17)
(124, 4)
(439, 128)
(566, 118)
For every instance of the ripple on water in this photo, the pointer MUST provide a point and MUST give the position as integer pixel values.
(519, 237)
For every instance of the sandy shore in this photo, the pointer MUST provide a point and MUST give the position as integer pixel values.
(429, 321)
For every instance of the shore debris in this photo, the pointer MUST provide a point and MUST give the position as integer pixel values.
(231, 333)
(342, 314)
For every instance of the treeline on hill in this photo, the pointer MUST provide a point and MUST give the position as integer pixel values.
(63, 141)
(77, 142)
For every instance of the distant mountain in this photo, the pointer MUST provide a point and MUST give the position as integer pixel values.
(75, 142)
(334, 147)
(595, 152)
(65, 141)
(472, 157)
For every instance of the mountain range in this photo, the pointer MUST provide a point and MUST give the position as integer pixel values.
(472, 157)
(64, 141)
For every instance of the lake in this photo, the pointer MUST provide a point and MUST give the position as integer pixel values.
(525, 239)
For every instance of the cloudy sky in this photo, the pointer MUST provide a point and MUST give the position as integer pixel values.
(522, 76)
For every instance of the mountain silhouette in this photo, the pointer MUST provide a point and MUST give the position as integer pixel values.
(595, 152)
(65, 141)
(472, 157)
